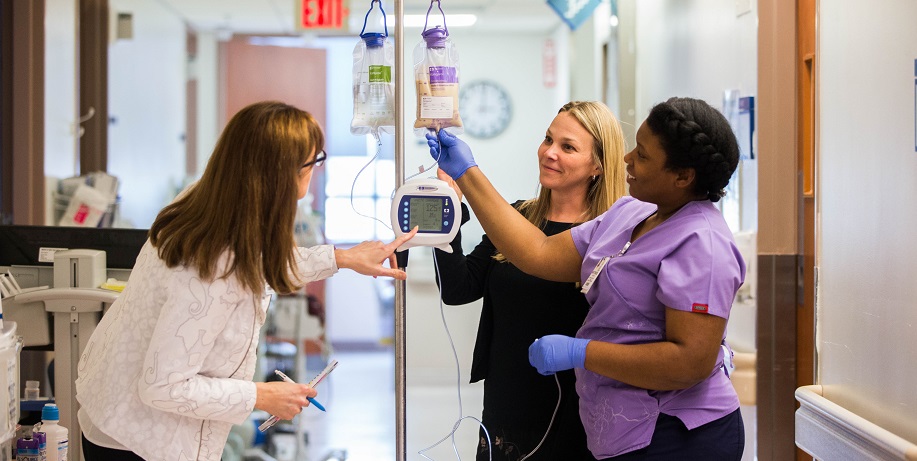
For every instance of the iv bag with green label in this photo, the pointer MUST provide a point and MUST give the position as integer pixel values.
(373, 89)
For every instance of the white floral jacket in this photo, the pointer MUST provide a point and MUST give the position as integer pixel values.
(169, 368)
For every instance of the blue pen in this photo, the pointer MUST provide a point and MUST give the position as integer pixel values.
(274, 419)
(287, 379)
(315, 402)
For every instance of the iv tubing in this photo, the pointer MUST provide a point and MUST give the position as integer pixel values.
(458, 382)
(353, 185)
(458, 422)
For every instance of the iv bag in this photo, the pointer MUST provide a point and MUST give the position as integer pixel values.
(436, 75)
(373, 90)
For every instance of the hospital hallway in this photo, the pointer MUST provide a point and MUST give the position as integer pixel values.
(109, 109)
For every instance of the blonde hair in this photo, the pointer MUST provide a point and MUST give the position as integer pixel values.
(245, 202)
(608, 151)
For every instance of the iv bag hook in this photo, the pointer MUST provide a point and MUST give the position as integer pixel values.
(89, 114)
(427, 19)
(384, 19)
(77, 128)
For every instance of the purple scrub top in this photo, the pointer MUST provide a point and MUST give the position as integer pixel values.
(689, 262)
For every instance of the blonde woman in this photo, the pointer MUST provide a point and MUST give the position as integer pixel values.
(169, 369)
(581, 173)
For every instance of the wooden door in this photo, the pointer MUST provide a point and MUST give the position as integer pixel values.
(296, 76)
(255, 73)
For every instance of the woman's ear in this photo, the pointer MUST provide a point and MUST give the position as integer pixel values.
(685, 178)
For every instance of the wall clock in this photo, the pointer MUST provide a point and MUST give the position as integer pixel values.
(485, 107)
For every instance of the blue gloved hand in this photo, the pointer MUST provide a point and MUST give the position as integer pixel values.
(453, 155)
(552, 353)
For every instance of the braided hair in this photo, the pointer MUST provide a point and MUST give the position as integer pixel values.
(695, 135)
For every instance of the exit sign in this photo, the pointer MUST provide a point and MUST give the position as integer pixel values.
(321, 14)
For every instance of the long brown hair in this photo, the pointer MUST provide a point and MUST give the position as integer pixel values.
(607, 152)
(245, 202)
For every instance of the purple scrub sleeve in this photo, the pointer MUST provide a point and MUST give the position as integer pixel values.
(701, 274)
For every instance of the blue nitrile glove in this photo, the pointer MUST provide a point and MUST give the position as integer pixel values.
(552, 353)
(453, 155)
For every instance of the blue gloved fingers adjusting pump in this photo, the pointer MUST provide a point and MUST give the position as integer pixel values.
(453, 155)
(552, 353)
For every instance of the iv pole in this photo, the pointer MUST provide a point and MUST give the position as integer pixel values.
(400, 285)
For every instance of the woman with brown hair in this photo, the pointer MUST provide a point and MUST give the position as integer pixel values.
(169, 369)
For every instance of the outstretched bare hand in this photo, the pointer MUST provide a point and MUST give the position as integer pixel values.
(367, 257)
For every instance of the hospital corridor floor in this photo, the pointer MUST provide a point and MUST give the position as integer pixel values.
(360, 419)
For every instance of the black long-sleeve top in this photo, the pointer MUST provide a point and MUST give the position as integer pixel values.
(517, 309)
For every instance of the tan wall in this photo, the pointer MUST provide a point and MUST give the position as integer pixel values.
(778, 230)
(778, 182)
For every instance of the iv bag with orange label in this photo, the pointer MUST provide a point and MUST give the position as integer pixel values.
(436, 75)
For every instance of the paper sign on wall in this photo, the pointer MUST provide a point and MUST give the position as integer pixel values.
(574, 12)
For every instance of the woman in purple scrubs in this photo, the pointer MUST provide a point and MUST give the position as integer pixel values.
(660, 270)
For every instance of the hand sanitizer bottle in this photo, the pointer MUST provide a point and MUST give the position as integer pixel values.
(56, 435)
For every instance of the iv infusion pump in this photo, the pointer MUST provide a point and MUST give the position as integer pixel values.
(432, 206)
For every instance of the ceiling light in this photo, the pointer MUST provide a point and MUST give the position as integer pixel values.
(452, 20)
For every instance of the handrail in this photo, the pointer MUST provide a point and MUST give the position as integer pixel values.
(76, 295)
(827, 430)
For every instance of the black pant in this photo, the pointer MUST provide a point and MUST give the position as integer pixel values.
(722, 439)
(93, 452)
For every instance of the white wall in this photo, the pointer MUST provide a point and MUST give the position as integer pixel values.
(205, 70)
(60, 89)
(867, 259)
(693, 48)
(146, 102)
(699, 49)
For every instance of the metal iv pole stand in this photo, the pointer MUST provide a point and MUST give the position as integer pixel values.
(400, 298)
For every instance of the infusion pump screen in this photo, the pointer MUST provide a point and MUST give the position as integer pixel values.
(426, 214)
(432, 214)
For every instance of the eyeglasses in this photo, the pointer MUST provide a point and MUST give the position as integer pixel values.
(317, 161)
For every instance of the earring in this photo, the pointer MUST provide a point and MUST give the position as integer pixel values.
(594, 176)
